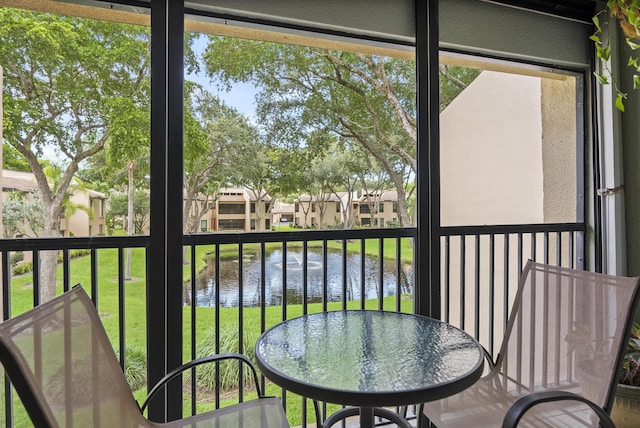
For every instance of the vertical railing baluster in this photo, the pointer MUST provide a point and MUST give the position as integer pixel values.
(559, 248)
(447, 278)
(520, 254)
(241, 317)
(476, 280)
(193, 327)
(36, 277)
(558, 333)
(6, 314)
(121, 325)
(94, 276)
(571, 250)
(325, 275)
(380, 273)
(462, 279)
(532, 323)
(545, 335)
(305, 277)
(546, 247)
(263, 288)
(217, 322)
(66, 277)
(492, 278)
(263, 298)
(363, 273)
(284, 280)
(398, 274)
(344, 274)
(505, 282)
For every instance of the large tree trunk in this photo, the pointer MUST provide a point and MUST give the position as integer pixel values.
(49, 258)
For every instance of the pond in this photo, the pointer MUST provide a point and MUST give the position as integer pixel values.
(273, 271)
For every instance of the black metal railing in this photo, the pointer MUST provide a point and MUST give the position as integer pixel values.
(481, 267)
(254, 280)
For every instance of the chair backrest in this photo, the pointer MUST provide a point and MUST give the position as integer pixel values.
(568, 330)
(64, 368)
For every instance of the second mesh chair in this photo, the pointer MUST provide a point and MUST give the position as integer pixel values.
(560, 358)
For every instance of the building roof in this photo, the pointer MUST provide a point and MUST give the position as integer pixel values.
(237, 194)
(328, 198)
(283, 208)
(386, 196)
(26, 182)
(11, 184)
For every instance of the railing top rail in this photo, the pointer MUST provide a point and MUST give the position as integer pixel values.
(95, 242)
(296, 235)
(73, 243)
(512, 229)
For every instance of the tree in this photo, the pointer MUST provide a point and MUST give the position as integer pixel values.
(265, 170)
(365, 98)
(66, 81)
(55, 174)
(22, 214)
(212, 133)
(13, 160)
(128, 144)
(119, 208)
(347, 165)
(374, 181)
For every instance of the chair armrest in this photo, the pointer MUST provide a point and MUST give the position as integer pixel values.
(210, 359)
(520, 407)
(487, 356)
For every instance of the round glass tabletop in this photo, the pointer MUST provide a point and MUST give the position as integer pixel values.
(369, 358)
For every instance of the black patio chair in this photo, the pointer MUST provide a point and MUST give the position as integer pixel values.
(560, 358)
(63, 367)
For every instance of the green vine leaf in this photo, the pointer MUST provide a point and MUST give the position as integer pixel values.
(633, 45)
(636, 81)
(596, 22)
(620, 101)
(601, 78)
(603, 52)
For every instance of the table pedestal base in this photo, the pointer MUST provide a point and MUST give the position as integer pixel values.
(367, 416)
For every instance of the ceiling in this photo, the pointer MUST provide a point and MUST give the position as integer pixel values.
(582, 10)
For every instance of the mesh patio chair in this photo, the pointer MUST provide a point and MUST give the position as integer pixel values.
(560, 357)
(63, 367)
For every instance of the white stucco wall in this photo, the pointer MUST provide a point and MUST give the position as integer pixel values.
(491, 154)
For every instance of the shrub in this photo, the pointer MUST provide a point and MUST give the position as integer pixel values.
(630, 374)
(16, 257)
(135, 369)
(206, 373)
(79, 253)
(24, 268)
(73, 254)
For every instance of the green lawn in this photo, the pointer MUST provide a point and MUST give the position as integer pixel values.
(135, 307)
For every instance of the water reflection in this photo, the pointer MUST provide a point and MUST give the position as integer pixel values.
(249, 295)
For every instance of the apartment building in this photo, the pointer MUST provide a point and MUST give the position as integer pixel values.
(378, 209)
(87, 220)
(313, 211)
(237, 209)
(283, 213)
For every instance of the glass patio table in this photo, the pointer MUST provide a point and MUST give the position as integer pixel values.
(369, 360)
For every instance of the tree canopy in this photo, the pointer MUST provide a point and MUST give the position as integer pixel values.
(68, 82)
(368, 101)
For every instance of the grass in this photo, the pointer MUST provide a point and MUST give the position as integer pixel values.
(205, 328)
